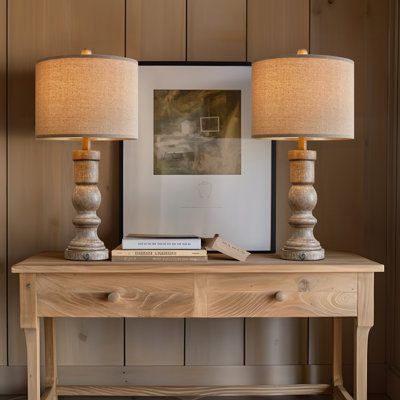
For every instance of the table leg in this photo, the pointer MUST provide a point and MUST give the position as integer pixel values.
(50, 357)
(337, 352)
(363, 323)
(360, 361)
(32, 338)
(29, 322)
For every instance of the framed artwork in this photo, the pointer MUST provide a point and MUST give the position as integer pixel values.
(195, 169)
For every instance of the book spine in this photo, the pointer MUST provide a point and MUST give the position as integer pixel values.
(160, 253)
(157, 259)
(157, 244)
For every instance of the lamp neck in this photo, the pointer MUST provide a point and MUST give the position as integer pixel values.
(86, 144)
(302, 143)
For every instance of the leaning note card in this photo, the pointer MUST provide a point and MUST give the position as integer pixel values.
(217, 243)
(195, 167)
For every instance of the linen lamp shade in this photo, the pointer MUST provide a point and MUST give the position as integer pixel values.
(87, 96)
(309, 96)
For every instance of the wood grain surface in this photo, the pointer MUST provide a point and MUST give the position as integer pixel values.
(207, 344)
(277, 28)
(51, 377)
(174, 296)
(305, 295)
(67, 295)
(3, 184)
(393, 237)
(50, 263)
(196, 392)
(216, 30)
(156, 30)
(11, 378)
(265, 339)
(155, 341)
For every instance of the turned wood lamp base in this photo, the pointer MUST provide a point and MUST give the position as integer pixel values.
(302, 245)
(86, 198)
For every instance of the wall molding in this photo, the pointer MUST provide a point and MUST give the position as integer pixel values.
(393, 384)
(393, 196)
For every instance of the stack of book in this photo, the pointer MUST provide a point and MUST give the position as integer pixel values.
(153, 248)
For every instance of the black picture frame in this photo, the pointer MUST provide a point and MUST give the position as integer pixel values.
(273, 151)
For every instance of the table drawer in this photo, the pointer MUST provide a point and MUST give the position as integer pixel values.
(114, 295)
(282, 295)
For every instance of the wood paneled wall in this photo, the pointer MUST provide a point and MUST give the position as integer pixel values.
(351, 180)
(351, 176)
(3, 184)
(393, 243)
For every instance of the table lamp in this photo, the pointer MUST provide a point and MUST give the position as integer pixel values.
(86, 97)
(303, 97)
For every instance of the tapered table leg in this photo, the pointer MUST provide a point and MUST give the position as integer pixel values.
(50, 357)
(337, 352)
(32, 338)
(363, 323)
(29, 322)
(360, 361)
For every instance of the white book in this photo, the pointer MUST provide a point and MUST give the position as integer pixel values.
(154, 242)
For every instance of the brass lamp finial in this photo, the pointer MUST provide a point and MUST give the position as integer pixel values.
(302, 51)
(86, 52)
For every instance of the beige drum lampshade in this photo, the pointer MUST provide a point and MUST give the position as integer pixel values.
(91, 96)
(308, 96)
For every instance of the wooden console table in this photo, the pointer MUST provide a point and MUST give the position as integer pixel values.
(342, 285)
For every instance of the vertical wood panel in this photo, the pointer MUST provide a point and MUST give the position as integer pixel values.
(277, 27)
(393, 270)
(351, 175)
(214, 341)
(393, 187)
(154, 341)
(3, 185)
(216, 30)
(156, 30)
(281, 342)
(375, 173)
(321, 341)
(40, 172)
(90, 342)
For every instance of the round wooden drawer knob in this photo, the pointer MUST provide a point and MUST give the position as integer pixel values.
(280, 296)
(114, 297)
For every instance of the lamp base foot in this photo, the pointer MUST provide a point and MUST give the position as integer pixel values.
(86, 255)
(302, 255)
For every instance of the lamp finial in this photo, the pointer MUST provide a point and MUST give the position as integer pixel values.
(302, 52)
(86, 52)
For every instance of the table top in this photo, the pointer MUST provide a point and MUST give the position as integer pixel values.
(54, 262)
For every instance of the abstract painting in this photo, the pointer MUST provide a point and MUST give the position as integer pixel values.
(197, 132)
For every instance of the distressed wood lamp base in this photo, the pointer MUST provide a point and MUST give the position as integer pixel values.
(302, 245)
(86, 198)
